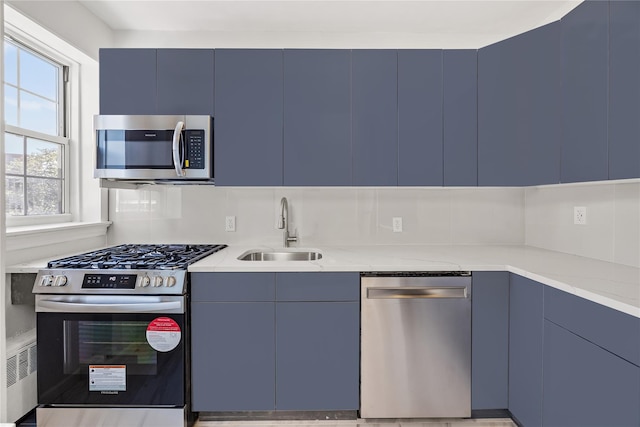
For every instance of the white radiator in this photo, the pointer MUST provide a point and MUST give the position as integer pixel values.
(21, 384)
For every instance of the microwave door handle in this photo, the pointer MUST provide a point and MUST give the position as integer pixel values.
(177, 160)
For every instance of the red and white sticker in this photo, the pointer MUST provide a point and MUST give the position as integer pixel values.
(163, 334)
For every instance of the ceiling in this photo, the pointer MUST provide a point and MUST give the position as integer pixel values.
(487, 20)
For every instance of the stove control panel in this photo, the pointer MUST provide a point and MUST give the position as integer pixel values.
(126, 282)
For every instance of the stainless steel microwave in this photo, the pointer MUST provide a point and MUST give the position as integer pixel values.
(155, 147)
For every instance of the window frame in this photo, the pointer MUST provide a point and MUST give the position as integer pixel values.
(64, 128)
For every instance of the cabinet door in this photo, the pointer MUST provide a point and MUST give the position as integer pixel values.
(460, 115)
(624, 89)
(540, 112)
(233, 287)
(584, 53)
(374, 93)
(329, 286)
(490, 340)
(585, 385)
(233, 356)
(594, 322)
(128, 81)
(185, 81)
(498, 115)
(317, 117)
(419, 117)
(249, 117)
(317, 364)
(525, 350)
(519, 109)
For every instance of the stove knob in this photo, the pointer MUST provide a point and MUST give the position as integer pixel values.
(157, 281)
(46, 280)
(145, 281)
(171, 281)
(60, 280)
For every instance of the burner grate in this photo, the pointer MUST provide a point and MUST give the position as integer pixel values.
(135, 257)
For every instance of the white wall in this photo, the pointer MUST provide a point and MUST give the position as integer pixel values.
(612, 232)
(27, 243)
(322, 216)
(70, 21)
(87, 199)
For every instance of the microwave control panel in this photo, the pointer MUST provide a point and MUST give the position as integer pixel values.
(195, 148)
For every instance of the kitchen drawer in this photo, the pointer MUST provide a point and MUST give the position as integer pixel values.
(318, 287)
(608, 328)
(228, 287)
(585, 385)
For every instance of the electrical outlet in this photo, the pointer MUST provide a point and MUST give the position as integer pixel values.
(230, 223)
(579, 215)
(397, 224)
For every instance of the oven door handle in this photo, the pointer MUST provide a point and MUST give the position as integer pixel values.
(83, 307)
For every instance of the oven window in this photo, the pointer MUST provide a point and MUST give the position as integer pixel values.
(90, 342)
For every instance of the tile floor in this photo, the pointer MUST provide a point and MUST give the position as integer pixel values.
(483, 422)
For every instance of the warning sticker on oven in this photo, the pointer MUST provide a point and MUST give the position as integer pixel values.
(163, 334)
(107, 378)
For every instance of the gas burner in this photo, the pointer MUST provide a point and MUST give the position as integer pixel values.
(137, 257)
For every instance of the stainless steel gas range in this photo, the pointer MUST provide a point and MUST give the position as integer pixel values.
(113, 337)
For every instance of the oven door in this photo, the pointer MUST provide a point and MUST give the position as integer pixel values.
(111, 350)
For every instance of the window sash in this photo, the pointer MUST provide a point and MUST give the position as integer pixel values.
(63, 71)
(62, 138)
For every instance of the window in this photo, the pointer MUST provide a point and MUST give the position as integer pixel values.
(36, 144)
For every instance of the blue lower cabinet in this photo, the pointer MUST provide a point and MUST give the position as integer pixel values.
(317, 362)
(275, 341)
(525, 350)
(586, 385)
(490, 340)
(233, 356)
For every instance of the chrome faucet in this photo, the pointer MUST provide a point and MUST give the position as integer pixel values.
(283, 223)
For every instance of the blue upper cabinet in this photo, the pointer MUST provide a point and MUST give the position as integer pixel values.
(460, 84)
(185, 81)
(539, 125)
(317, 117)
(584, 65)
(419, 118)
(128, 81)
(519, 110)
(249, 117)
(374, 94)
(624, 90)
(497, 114)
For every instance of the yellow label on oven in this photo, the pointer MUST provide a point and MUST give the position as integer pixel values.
(186, 163)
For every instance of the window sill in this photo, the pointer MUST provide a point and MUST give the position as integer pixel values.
(30, 236)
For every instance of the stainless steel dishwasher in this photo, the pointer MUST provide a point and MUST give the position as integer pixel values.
(415, 345)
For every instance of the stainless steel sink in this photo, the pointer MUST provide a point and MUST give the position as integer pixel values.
(284, 255)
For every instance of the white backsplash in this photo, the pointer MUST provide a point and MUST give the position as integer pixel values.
(612, 231)
(319, 215)
(535, 216)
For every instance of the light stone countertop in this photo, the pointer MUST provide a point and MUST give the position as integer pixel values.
(613, 285)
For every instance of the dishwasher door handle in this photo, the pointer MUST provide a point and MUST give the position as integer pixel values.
(419, 292)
